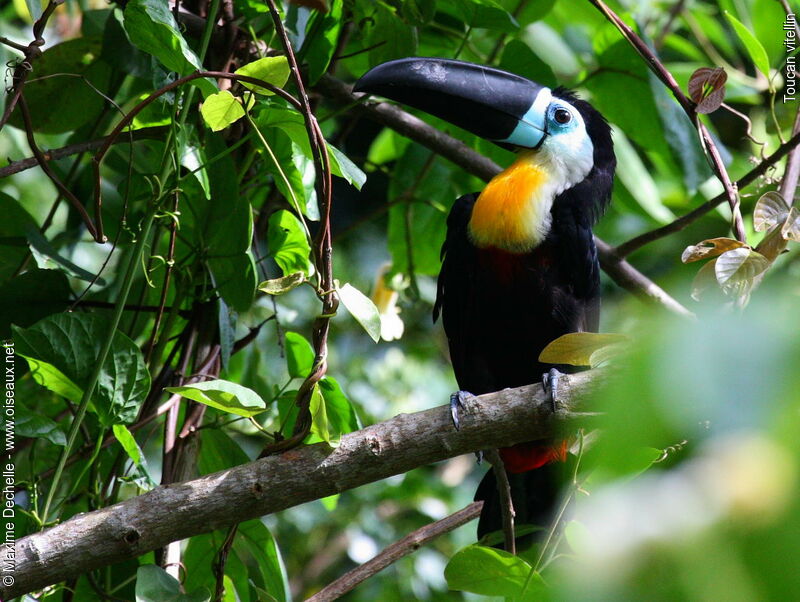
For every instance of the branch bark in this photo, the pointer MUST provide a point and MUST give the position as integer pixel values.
(623, 273)
(177, 511)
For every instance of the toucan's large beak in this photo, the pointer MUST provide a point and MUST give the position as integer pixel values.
(496, 105)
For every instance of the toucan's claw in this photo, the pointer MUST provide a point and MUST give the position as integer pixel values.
(457, 402)
(550, 384)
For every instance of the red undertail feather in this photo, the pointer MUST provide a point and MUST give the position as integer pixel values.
(533, 454)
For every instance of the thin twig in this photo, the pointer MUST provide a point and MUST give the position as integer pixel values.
(689, 108)
(151, 133)
(66, 192)
(322, 248)
(506, 503)
(32, 52)
(394, 552)
(759, 170)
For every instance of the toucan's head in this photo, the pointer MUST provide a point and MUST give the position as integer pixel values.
(565, 143)
(496, 105)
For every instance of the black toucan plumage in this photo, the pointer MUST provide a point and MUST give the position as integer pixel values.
(520, 266)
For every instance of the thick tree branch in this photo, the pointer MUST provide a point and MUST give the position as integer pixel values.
(173, 512)
(623, 273)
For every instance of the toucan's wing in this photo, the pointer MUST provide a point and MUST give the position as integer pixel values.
(456, 296)
(571, 231)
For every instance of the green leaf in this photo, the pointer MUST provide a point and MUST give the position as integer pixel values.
(484, 14)
(13, 226)
(318, 50)
(635, 176)
(771, 210)
(342, 166)
(28, 298)
(31, 425)
(154, 584)
(754, 48)
(417, 228)
(257, 549)
(279, 286)
(128, 443)
(271, 69)
(62, 352)
(623, 74)
(223, 395)
(341, 413)
(218, 452)
(235, 279)
(487, 571)
(736, 269)
(50, 87)
(387, 146)
(221, 109)
(47, 257)
(381, 24)
(520, 59)
(288, 244)
(151, 27)
(319, 417)
(299, 355)
(362, 309)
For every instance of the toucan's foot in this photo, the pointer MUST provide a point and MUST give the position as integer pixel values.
(457, 401)
(550, 384)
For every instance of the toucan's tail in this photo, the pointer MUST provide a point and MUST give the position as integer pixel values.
(535, 495)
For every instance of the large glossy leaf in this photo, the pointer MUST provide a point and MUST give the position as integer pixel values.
(520, 59)
(321, 42)
(258, 550)
(31, 425)
(487, 571)
(362, 309)
(754, 48)
(272, 69)
(331, 412)
(221, 109)
(621, 75)
(151, 27)
(288, 243)
(13, 227)
(417, 226)
(60, 78)
(299, 355)
(223, 395)
(235, 279)
(28, 298)
(62, 352)
(154, 584)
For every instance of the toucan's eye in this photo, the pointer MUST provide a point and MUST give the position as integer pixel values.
(562, 116)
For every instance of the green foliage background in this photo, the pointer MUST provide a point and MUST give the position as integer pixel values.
(714, 401)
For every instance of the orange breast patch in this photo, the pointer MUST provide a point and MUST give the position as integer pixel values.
(506, 214)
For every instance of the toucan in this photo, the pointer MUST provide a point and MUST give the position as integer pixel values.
(519, 262)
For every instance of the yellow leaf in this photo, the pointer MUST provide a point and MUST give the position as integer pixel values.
(577, 348)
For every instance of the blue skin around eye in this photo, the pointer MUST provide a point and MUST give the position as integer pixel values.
(531, 129)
